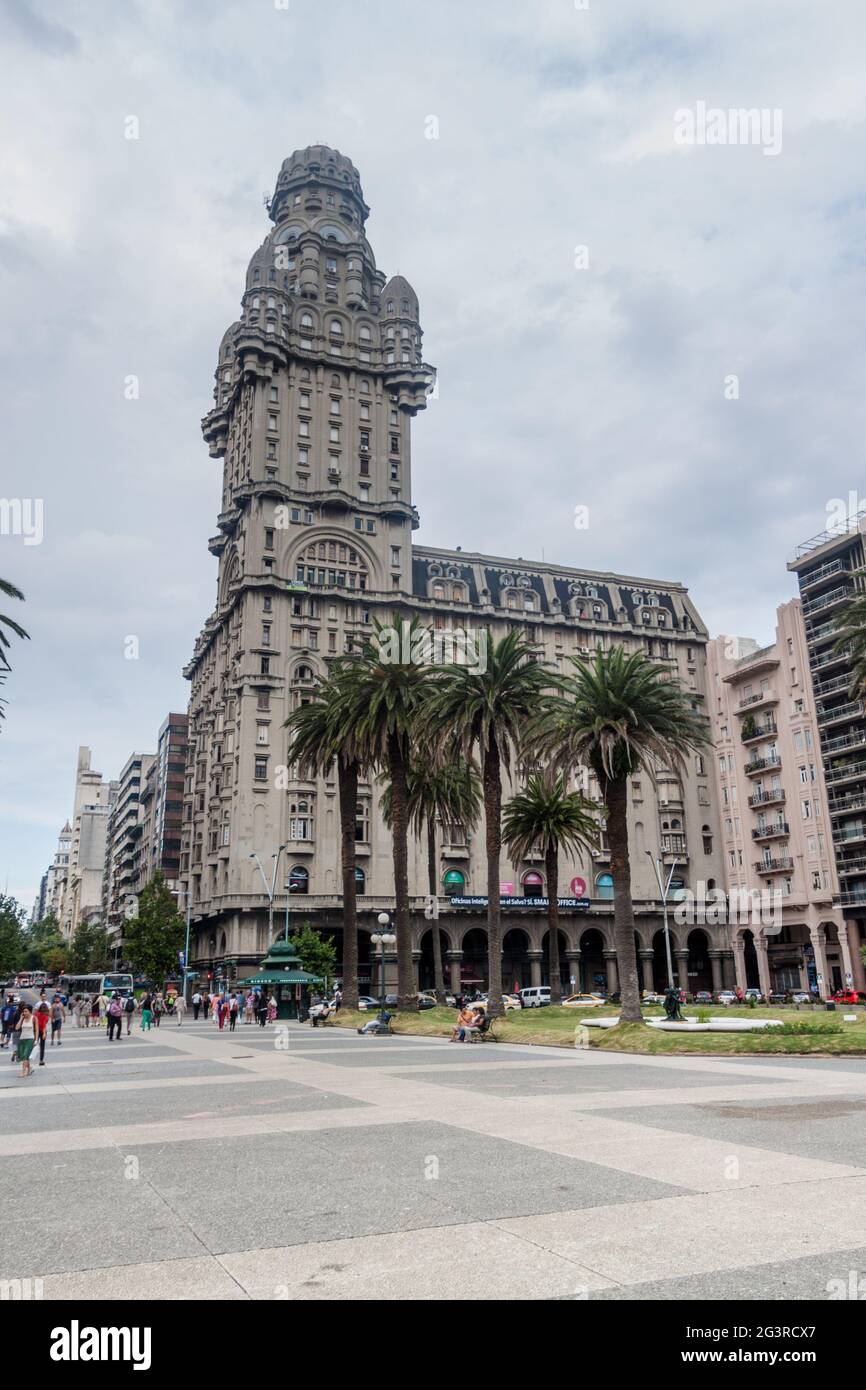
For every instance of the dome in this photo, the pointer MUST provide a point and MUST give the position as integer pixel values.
(399, 292)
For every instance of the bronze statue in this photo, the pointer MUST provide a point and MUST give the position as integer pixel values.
(673, 1012)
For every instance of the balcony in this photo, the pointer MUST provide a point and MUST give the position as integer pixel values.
(845, 804)
(841, 594)
(844, 867)
(762, 764)
(762, 697)
(850, 835)
(833, 658)
(771, 832)
(855, 898)
(846, 772)
(775, 794)
(838, 745)
(852, 709)
(822, 633)
(823, 573)
(831, 687)
(774, 866)
(674, 847)
(768, 730)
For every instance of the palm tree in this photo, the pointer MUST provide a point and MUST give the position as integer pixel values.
(321, 736)
(6, 622)
(546, 817)
(488, 709)
(449, 793)
(384, 686)
(851, 623)
(619, 714)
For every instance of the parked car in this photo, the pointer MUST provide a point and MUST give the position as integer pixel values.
(583, 1001)
(366, 1001)
(755, 994)
(703, 996)
(777, 998)
(848, 996)
(535, 997)
(650, 997)
(801, 997)
(727, 997)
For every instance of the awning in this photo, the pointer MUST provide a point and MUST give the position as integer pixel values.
(282, 977)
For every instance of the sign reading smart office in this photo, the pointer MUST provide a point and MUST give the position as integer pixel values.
(513, 903)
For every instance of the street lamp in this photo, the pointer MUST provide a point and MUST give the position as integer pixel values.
(383, 938)
(270, 888)
(186, 891)
(663, 890)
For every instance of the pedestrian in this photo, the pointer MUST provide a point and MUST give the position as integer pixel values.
(129, 1010)
(261, 1008)
(115, 1017)
(233, 1012)
(338, 999)
(206, 998)
(146, 1013)
(272, 1010)
(7, 1018)
(94, 1010)
(196, 1005)
(222, 1007)
(41, 1019)
(58, 1015)
(248, 1007)
(180, 1009)
(26, 1030)
(158, 1008)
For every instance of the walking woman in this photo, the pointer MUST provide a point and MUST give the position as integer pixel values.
(26, 1030)
(261, 1009)
(58, 1014)
(146, 1013)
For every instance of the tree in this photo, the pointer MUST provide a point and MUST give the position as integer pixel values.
(55, 960)
(322, 733)
(10, 625)
(451, 794)
(547, 818)
(89, 950)
(41, 939)
(487, 710)
(153, 939)
(384, 686)
(851, 623)
(13, 937)
(317, 954)
(616, 715)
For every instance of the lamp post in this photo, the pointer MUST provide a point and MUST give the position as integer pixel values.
(270, 888)
(186, 893)
(663, 890)
(383, 937)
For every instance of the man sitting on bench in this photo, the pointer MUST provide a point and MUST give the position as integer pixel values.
(467, 1023)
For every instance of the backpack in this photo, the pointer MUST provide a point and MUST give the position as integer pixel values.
(129, 1006)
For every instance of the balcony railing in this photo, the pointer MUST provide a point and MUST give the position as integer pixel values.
(767, 730)
(774, 866)
(764, 798)
(833, 658)
(831, 687)
(843, 804)
(836, 745)
(770, 832)
(761, 764)
(822, 632)
(748, 700)
(850, 710)
(824, 572)
(816, 605)
(846, 772)
(844, 867)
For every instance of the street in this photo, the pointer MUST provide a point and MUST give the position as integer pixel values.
(299, 1164)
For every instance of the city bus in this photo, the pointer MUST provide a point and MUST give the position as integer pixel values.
(98, 983)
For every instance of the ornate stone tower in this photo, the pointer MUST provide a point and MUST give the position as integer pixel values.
(316, 386)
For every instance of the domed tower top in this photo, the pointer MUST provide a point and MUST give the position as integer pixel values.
(318, 179)
(399, 300)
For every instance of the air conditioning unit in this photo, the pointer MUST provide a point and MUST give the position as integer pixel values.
(333, 470)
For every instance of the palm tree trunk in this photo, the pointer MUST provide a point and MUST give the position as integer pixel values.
(347, 777)
(406, 993)
(551, 864)
(616, 798)
(432, 878)
(492, 781)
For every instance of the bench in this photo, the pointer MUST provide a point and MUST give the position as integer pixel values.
(483, 1032)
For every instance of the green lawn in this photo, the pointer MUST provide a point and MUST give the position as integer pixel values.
(557, 1027)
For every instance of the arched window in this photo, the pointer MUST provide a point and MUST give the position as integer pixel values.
(335, 379)
(365, 333)
(454, 884)
(306, 320)
(533, 885)
(304, 673)
(299, 880)
(438, 590)
(365, 386)
(604, 887)
(360, 881)
(336, 328)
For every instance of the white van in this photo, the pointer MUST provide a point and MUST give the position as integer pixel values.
(536, 997)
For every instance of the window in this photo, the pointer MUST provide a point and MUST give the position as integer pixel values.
(262, 733)
(454, 884)
(336, 328)
(299, 880)
(261, 770)
(604, 887)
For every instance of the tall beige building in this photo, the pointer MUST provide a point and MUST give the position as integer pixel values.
(776, 826)
(82, 896)
(317, 386)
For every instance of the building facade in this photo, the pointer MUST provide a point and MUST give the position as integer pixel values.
(830, 570)
(776, 827)
(122, 867)
(162, 804)
(317, 385)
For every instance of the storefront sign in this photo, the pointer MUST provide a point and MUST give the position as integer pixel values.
(510, 903)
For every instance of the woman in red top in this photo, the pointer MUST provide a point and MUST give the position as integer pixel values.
(41, 1017)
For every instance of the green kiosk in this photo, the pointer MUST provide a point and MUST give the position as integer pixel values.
(281, 972)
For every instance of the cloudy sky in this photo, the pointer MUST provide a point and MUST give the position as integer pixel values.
(594, 378)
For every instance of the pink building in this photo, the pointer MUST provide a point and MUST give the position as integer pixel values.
(776, 830)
